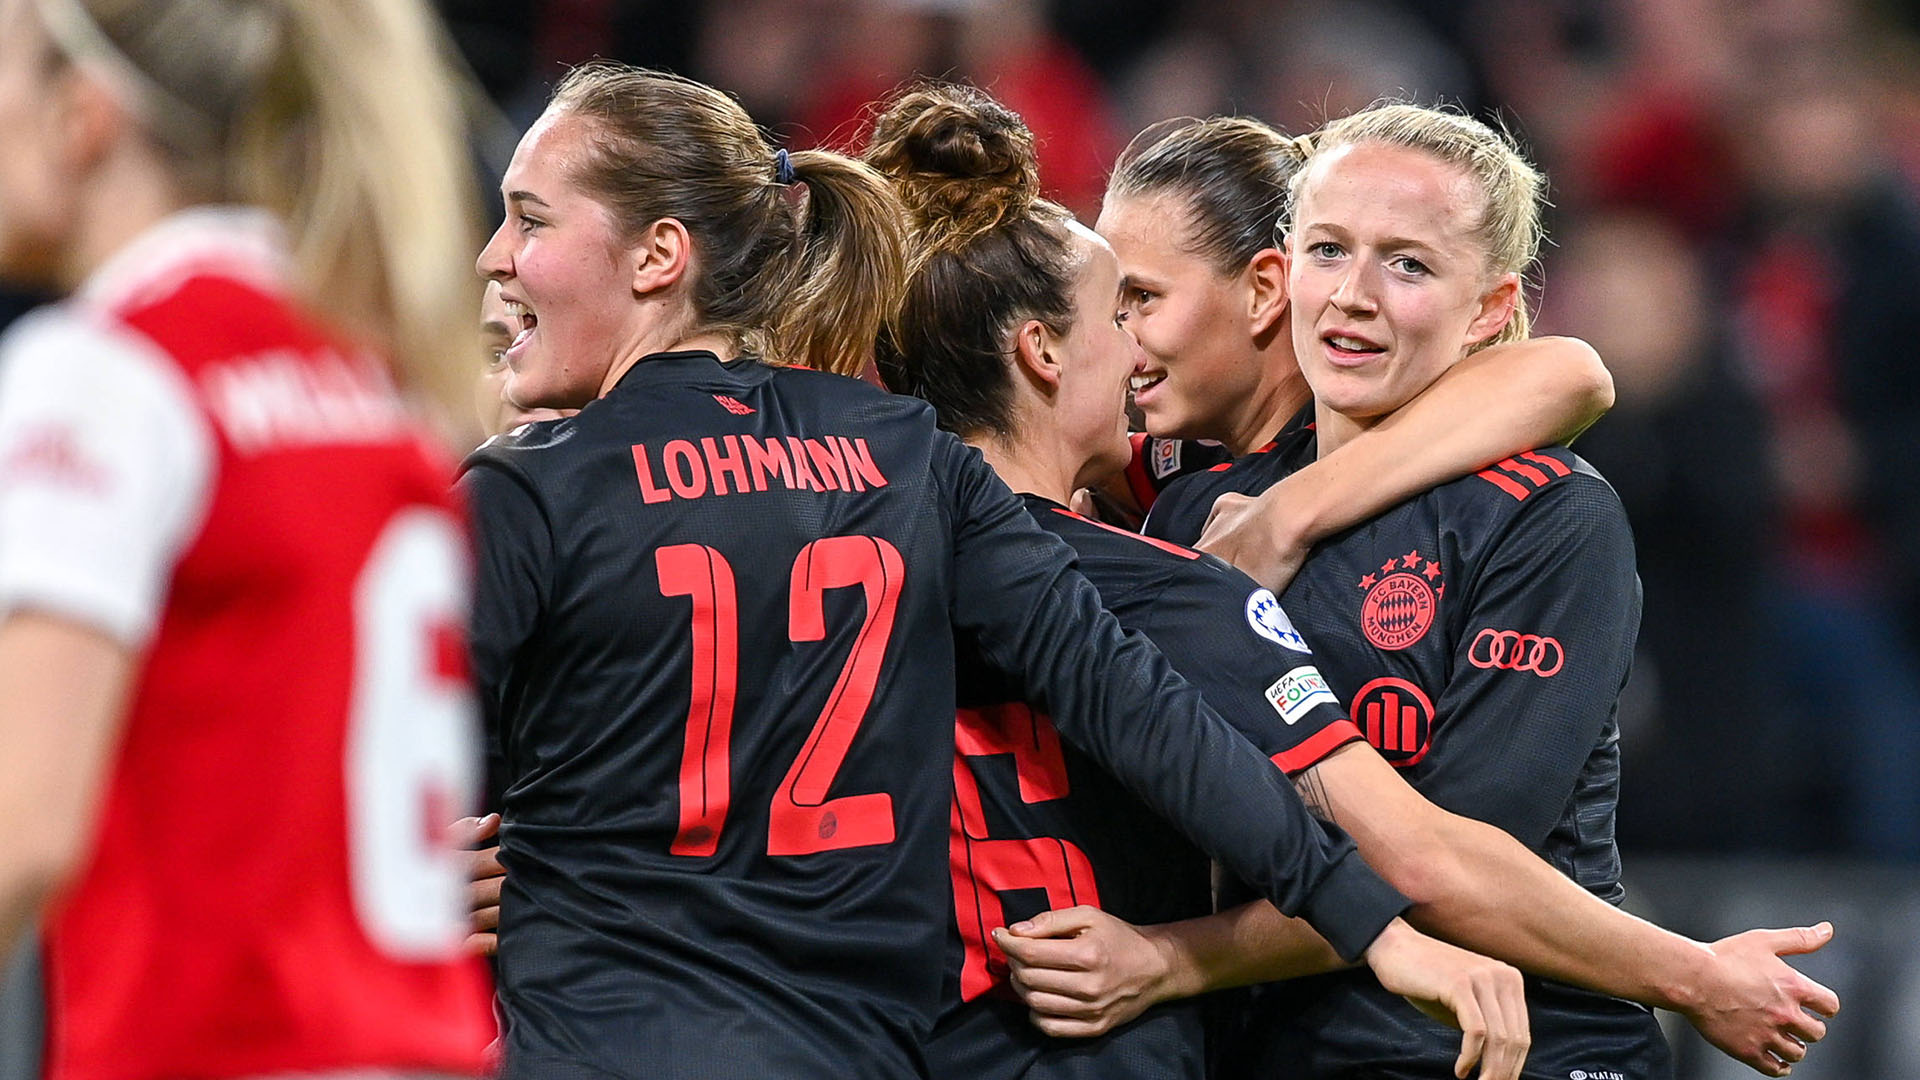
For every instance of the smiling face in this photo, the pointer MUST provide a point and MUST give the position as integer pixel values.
(564, 272)
(1390, 285)
(1215, 358)
(1096, 361)
(498, 328)
(1190, 320)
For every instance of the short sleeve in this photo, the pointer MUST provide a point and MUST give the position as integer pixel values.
(1537, 671)
(106, 470)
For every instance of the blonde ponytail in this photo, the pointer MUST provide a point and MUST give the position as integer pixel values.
(357, 143)
(343, 117)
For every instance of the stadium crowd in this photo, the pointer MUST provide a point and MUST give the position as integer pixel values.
(1733, 206)
(1732, 212)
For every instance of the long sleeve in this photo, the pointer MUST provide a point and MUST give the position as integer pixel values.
(1112, 694)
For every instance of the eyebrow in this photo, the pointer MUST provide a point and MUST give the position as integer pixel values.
(525, 197)
(1394, 243)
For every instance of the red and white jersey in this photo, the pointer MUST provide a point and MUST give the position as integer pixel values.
(191, 465)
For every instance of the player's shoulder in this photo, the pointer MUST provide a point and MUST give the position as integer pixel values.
(1547, 496)
(1528, 482)
(1109, 554)
(1181, 510)
(1128, 566)
(68, 353)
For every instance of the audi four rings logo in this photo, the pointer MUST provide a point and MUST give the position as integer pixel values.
(1511, 650)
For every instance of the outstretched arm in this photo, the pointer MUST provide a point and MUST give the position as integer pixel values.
(1498, 402)
(1084, 972)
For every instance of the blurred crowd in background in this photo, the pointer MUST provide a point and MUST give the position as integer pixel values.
(1736, 227)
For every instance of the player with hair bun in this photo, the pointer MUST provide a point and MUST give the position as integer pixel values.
(1008, 328)
(234, 711)
(1479, 633)
(717, 620)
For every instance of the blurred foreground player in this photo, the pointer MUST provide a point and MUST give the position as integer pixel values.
(717, 614)
(234, 718)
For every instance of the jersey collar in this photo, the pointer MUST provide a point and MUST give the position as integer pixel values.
(240, 242)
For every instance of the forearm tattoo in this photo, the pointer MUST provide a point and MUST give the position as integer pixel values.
(1314, 794)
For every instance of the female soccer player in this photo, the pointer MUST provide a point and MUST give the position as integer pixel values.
(1008, 328)
(233, 716)
(498, 328)
(1405, 260)
(717, 613)
(1030, 379)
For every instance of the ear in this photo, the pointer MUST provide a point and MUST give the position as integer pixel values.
(1033, 355)
(1267, 276)
(94, 119)
(660, 256)
(1496, 309)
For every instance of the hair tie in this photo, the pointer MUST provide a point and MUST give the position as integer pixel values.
(782, 167)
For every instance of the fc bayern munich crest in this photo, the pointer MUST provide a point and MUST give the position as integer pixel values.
(1401, 600)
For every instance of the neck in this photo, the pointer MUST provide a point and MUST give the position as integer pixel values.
(126, 198)
(1333, 430)
(650, 343)
(1255, 423)
(1026, 464)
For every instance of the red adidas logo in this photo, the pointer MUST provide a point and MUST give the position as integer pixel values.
(733, 406)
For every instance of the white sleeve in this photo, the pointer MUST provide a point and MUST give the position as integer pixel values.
(106, 468)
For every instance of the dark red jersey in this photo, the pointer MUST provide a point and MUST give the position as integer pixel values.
(189, 464)
(1480, 634)
(716, 629)
(1037, 825)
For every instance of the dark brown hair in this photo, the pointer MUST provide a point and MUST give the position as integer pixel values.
(1230, 171)
(794, 276)
(985, 252)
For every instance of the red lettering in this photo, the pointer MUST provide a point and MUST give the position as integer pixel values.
(767, 459)
(826, 458)
(649, 491)
(694, 484)
(706, 785)
(804, 480)
(1014, 729)
(724, 465)
(982, 868)
(860, 462)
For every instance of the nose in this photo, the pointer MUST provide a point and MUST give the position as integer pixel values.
(495, 261)
(1356, 293)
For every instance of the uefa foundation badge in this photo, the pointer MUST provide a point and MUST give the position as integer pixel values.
(1401, 600)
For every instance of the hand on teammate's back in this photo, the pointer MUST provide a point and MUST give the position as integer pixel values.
(1484, 998)
(485, 875)
(1755, 1007)
(1247, 531)
(1082, 972)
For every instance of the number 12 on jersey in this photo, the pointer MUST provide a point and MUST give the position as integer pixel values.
(801, 820)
